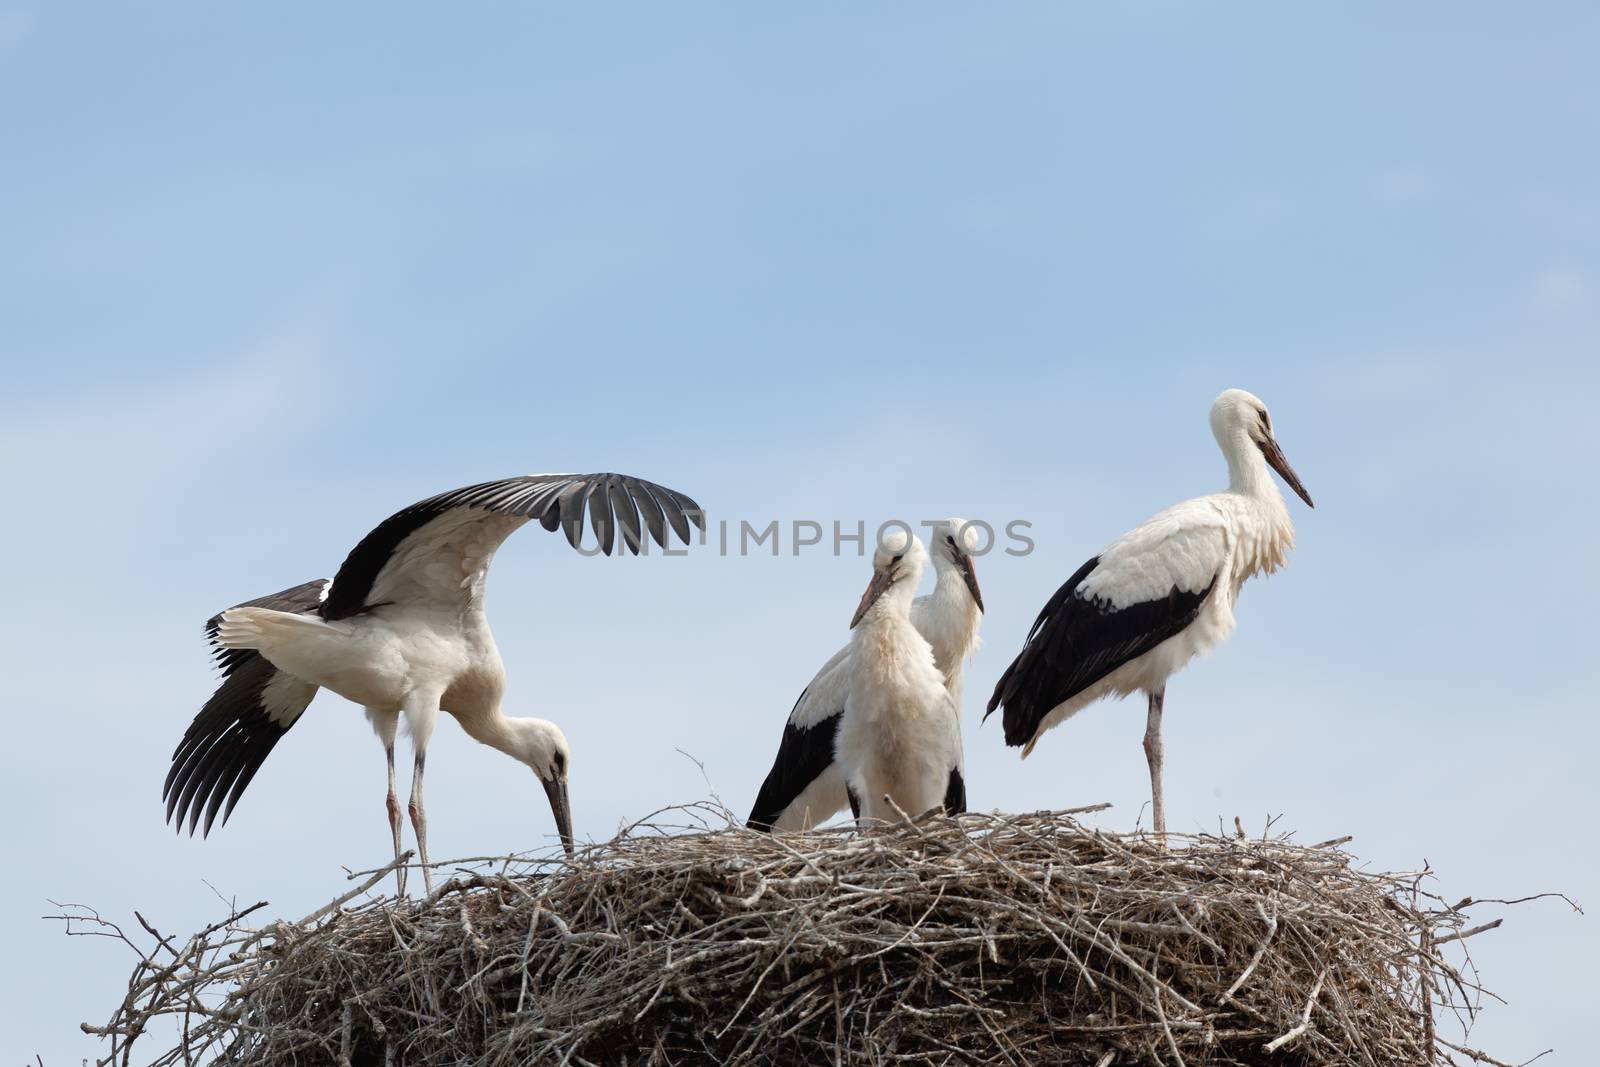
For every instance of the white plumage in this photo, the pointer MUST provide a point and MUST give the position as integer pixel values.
(899, 743)
(806, 785)
(1157, 596)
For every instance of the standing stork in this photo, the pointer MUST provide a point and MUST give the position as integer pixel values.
(806, 785)
(401, 630)
(1158, 596)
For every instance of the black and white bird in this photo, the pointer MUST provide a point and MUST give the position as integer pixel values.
(806, 785)
(896, 732)
(1158, 596)
(401, 630)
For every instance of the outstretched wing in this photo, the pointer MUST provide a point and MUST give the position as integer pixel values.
(439, 549)
(1145, 588)
(255, 705)
(303, 599)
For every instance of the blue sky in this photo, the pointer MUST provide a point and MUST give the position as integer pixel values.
(272, 274)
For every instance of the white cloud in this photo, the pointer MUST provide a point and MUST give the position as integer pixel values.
(1560, 290)
(128, 437)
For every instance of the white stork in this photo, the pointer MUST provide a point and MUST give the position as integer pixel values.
(806, 784)
(401, 630)
(898, 732)
(1158, 596)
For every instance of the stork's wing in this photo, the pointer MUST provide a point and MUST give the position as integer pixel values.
(253, 707)
(1146, 587)
(303, 599)
(438, 549)
(804, 767)
(955, 793)
(1183, 548)
(824, 696)
(805, 761)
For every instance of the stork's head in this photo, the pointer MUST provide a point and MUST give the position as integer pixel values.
(543, 747)
(1239, 420)
(954, 542)
(896, 569)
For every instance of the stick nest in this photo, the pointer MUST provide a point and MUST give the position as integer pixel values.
(980, 939)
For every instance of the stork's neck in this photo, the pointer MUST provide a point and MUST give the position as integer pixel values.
(493, 728)
(517, 738)
(895, 603)
(953, 622)
(948, 583)
(878, 640)
(1264, 543)
(891, 612)
(885, 642)
(1248, 472)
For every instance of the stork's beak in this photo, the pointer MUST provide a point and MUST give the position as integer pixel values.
(556, 790)
(1280, 463)
(876, 588)
(970, 573)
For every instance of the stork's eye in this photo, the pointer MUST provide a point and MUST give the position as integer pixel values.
(561, 761)
(1266, 422)
(951, 541)
(898, 558)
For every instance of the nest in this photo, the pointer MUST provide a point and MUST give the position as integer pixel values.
(980, 939)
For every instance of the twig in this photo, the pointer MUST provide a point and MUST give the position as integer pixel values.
(1305, 1019)
(981, 939)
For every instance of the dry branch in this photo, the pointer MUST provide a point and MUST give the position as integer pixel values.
(983, 939)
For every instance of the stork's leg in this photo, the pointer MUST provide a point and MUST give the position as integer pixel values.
(394, 821)
(419, 822)
(1152, 753)
(421, 710)
(385, 724)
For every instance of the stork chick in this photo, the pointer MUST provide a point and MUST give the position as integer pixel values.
(805, 786)
(899, 742)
